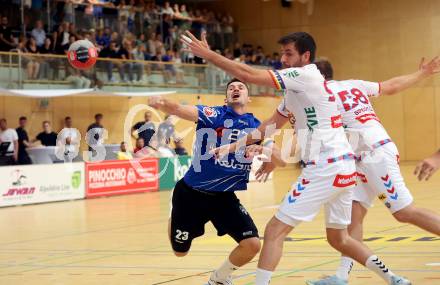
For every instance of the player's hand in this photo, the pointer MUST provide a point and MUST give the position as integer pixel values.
(264, 171)
(253, 150)
(431, 67)
(222, 151)
(155, 102)
(426, 168)
(199, 48)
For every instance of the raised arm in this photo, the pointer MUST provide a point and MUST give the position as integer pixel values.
(186, 112)
(400, 83)
(241, 71)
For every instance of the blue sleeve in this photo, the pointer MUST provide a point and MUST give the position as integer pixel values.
(208, 116)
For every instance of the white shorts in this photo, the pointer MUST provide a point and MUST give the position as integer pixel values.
(380, 177)
(329, 184)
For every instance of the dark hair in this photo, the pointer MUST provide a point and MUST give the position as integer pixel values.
(67, 118)
(22, 118)
(236, 80)
(303, 42)
(325, 67)
(99, 115)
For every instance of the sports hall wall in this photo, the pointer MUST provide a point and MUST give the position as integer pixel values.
(371, 40)
(82, 110)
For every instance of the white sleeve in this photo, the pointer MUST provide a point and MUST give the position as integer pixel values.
(282, 110)
(371, 88)
(289, 79)
(14, 135)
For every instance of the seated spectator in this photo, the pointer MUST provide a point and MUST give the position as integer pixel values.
(48, 65)
(10, 136)
(170, 69)
(61, 38)
(77, 79)
(23, 142)
(69, 140)
(38, 33)
(123, 154)
(103, 38)
(142, 151)
(47, 137)
(115, 53)
(138, 53)
(179, 148)
(144, 129)
(31, 63)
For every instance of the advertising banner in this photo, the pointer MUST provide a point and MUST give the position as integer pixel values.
(115, 177)
(30, 184)
(172, 170)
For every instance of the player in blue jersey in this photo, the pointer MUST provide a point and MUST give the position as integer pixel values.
(206, 193)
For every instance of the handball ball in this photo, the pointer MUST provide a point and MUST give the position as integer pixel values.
(82, 54)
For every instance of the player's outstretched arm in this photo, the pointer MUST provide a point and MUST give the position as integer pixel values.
(186, 112)
(270, 150)
(426, 168)
(266, 129)
(241, 71)
(400, 83)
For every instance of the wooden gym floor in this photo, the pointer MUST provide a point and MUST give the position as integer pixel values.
(122, 240)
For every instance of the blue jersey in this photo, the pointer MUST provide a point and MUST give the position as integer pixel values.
(218, 126)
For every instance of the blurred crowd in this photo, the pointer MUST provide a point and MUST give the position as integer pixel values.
(151, 140)
(123, 31)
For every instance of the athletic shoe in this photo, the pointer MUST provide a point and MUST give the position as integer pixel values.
(397, 280)
(213, 280)
(330, 280)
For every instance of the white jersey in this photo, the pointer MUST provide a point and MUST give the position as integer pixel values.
(318, 124)
(358, 115)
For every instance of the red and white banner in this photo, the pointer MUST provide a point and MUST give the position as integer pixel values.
(114, 177)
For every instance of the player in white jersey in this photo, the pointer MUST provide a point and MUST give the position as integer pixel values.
(378, 157)
(330, 173)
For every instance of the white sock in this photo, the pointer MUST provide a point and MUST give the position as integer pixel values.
(263, 277)
(225, 270)
(344, 268)
(375, 264)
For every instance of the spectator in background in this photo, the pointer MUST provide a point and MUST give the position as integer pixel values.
(237, 50)
(276, 62)
(113, 52)
(165, 131)
(23, 142)
(151, 45)
(61, 38)
(142, 150)
(31, 63)
(38, 33)
(9, 135)
(69, 139)
(179, 148)
(123, 154)
(48, 65)
(145, 129)
(167, 9)
(95, 134)
(7, 41)
(170, 69)
(103, 38)
(47, 137)
(123, 14)
(138, 53)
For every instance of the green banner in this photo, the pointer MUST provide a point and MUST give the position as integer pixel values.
(171, 170)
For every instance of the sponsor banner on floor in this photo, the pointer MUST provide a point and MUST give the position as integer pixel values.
(31, 184)
(115, 177)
